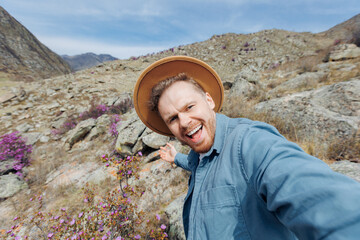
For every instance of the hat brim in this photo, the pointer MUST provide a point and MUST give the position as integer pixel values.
(167, 67)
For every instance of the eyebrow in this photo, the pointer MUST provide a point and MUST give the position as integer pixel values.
(182, 109)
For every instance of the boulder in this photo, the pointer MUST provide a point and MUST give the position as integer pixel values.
(344, 51)
(301, 82)
(10, 184)
(7, 97)
(6, 166)
(129, 132)
(152, 157)
(31, 138)
(322, 115)
(102, 125)
(242, 88)
(174, 213)
(25, 127)
(155, 140)
(79, 132)
(347, 168)
(78, 174)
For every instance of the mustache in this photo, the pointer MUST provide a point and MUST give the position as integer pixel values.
(187, 129)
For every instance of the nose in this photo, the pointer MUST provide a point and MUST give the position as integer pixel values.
(184, 120)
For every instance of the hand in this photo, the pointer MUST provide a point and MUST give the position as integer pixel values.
(168, 153)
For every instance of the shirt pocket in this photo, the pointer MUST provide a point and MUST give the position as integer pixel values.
(220, 215)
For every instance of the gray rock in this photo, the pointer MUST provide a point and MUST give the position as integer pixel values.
(347, 168)
(302, 82)
(6, 166)
(79, 132)
(10, 184)
(242, 88)
(102, 125)
(25, 127)
(249, 73)
(155, 140)
(129, 132)
(32, 138)
(7, 97)
(44, 139)
(174, 213)
(139, 146)
(152, 157)
(322, 115)
(344, 51)
(59, 122)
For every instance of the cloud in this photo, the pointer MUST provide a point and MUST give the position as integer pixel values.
(72, 46)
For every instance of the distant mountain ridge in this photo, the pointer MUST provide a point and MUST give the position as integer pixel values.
(23, 56)
(87, 60)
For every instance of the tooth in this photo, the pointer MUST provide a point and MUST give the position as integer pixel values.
(194, 131)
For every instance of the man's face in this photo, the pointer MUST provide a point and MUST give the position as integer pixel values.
(189, 115)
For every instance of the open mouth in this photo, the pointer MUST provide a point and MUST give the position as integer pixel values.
(195, 134)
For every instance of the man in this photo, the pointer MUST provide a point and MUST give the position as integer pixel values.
(247, 181)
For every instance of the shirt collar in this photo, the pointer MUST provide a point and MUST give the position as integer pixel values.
(220, 131)
(221, 126)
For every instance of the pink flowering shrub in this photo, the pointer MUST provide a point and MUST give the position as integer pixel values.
(113, 216)
(13, 147)
(115, 119)
(121, 107)
(95, 111)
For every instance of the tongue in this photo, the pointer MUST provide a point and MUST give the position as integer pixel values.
(196, 136)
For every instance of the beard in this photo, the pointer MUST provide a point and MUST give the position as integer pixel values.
(206, 145)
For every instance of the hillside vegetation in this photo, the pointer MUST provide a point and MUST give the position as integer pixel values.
(80, 124)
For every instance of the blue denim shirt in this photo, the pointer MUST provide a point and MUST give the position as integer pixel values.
(254, 184)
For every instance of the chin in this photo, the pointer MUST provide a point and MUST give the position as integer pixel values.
(203, 148)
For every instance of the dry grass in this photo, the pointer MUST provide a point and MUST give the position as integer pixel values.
(41, 166)
(348, 149)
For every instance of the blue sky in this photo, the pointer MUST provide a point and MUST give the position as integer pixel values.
(137, 27)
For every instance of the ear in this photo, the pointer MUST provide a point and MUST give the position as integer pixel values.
(210, 101)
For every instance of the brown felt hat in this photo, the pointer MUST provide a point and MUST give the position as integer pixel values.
(167, 67)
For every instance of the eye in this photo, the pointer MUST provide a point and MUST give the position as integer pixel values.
(190, 106)
(172, 119)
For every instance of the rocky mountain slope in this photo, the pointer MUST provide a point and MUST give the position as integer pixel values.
(307, 84)
(23, 56)
(87, 60)
(347, 32)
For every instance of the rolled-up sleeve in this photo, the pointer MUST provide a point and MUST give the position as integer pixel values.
(182, 161)
(303, 192)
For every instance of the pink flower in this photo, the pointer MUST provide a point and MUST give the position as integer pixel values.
(137, 236)
(158, 217)
(50, 235)
(163, 226)
(140, 154)
(81, 214)
(72, 222)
